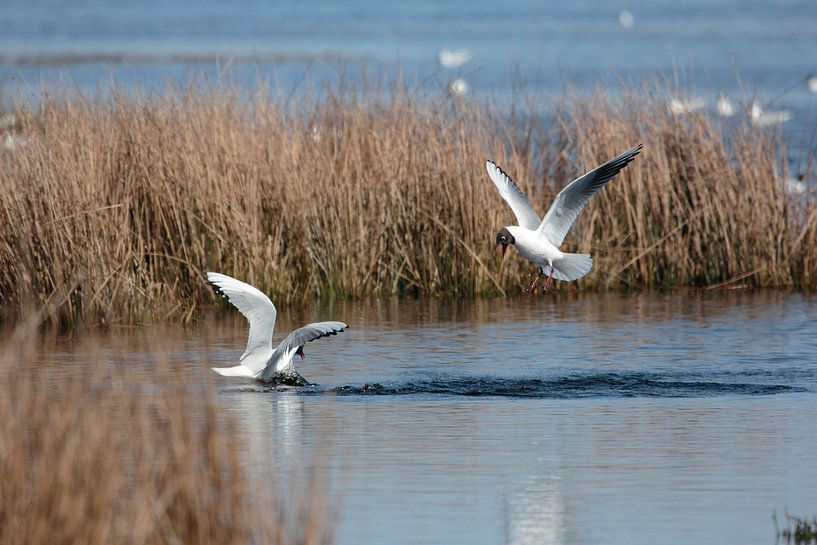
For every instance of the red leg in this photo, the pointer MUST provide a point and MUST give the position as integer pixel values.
(548, 281)
(535, 281)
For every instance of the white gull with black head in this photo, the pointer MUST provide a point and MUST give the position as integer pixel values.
(260, 361)
(538, 240)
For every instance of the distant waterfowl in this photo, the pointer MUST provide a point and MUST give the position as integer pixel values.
(680, 106)
(538, 240)
(811, 84)
(459, 87)
(7, 122)
(762, 118)
(12, 142)
(626, 18)
(453, 58)
(260, 361)
(795, 185)
(724, 106)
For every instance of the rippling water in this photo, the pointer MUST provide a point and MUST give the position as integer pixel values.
(681, 418)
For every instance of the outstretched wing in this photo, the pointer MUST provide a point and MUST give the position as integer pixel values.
(284, 352)
(524, 212)
(260, 313)
(570, 200)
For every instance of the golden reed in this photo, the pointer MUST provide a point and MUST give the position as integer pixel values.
(99, 453)
(121, 204)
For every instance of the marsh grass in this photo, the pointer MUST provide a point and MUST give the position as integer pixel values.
(99, 454)
(375, 191)
(800, 531)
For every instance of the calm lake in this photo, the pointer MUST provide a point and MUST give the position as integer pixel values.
(748, 50)
(626, 419)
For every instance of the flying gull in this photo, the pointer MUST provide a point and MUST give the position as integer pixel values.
(260, 361)
(538, 240)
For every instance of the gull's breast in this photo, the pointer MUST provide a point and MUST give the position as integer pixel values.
(535, 247)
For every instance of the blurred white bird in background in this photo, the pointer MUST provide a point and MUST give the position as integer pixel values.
(7, 122)
(680, 106)
(453, 58)
(795, 185)
(762, 118)
(724, 106)
(626, 18)
(459, 87)
(13, 142)
(811, 83)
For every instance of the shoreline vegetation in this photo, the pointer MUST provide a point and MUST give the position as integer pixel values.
(101, 453)
(113, 208)
(797, 530)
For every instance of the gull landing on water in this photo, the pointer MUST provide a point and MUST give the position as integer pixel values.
(538, 240)
(260, 361)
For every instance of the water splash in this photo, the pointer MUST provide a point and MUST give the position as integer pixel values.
(578, 386)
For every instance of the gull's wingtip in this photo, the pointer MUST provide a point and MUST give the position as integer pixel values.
(213, 276)
(630, 154)
(338, 327)
(217, 282)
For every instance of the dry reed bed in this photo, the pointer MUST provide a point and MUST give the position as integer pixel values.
(102, 455)
(115, 208)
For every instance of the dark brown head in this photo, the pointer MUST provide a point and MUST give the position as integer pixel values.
(504, 237)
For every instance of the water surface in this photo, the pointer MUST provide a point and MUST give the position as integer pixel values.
(744, 49)
(680, 418)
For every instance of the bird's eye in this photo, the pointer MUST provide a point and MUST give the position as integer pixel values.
(502, 239)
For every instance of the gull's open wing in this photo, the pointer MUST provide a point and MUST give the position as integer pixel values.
(260, 313)
(570, 200)
(284, 352)
(524, 212)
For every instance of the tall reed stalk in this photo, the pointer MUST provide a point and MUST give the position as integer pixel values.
(122, 203)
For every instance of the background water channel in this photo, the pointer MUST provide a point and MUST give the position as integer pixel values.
(644, 418)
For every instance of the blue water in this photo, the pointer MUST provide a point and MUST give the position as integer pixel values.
(683, 418)
(702, 44)
(639, 419)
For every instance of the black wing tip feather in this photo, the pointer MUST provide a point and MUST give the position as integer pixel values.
(608, 171)
(496, 166)
(331, 333)
(502, 172)
(216, 288)
(628, 155)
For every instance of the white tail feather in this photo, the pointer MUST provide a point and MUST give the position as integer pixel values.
(572, 266)
(237, 371)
